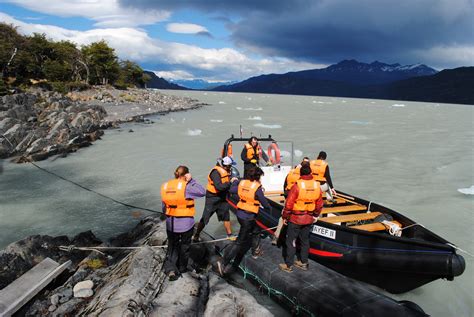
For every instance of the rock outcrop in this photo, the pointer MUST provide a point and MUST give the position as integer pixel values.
(132, 283)
(36, 126)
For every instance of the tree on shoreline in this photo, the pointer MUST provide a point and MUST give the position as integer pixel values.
(25, 60)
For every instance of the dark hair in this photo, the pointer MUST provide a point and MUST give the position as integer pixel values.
(254, 173)
(305, 170)
(322, 155)
(181, 171)
(305, 163)
(253, 138)
(306, 158)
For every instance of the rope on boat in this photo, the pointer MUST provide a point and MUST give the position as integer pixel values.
(393, 228)
(93, 191)
(459, 249)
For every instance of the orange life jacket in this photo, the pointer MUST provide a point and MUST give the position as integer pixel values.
(247, 190)
(173, 194)
(308, 192)
(229, 151)
(251, 154)
(292, 177)
(224, 179)
(318, 169)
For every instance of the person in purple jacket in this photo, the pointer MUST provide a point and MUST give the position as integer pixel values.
(177, 197)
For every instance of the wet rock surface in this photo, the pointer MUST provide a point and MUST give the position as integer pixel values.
(131, 282)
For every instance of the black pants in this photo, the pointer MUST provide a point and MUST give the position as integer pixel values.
(215, 204)
(178, 251)
(248, 238)
(293, 232)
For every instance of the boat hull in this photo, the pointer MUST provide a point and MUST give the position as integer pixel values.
(396, 264)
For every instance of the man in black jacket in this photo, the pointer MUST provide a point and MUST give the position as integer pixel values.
(218, 184)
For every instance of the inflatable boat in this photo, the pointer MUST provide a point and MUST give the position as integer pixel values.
(359, 238)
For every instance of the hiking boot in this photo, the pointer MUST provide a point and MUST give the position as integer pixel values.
(257, 253)
(229, 269)
(220, 268)
(172, 276)
(301, 265)
(274, 240)
(285, 267)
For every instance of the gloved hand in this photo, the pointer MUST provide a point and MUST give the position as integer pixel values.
(253, 161)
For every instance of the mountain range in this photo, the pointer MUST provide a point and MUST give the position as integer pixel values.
(351, 78)
(200, 84)
(160, 83)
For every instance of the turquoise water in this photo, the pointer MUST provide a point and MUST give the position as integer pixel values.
(412, 157)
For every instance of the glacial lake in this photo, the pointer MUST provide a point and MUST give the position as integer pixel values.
(416, 158)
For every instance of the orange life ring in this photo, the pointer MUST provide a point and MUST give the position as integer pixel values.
(273, 148)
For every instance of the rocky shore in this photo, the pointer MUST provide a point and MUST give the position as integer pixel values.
(38, 124)
(125, 283)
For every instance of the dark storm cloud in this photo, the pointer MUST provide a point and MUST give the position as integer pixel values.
(435, 32)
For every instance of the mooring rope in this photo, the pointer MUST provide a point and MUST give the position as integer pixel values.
(70, 248)
(93, 191)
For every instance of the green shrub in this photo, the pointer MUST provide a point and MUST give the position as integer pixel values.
(59, 86)
(3, 88)
(77, 86)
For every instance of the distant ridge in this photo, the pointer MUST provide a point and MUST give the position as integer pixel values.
(160, 83)
(350, 78)
(199, 83)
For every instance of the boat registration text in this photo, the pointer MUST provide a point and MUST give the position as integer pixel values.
(325, 232)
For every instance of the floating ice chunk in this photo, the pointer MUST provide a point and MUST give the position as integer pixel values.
(398, 105)
(172, 120)
(216, 120)
(194, 132)
(249, 109)
(222, 102)
(344, 101)
(298, 153)
(467, 191)
(267, 126)
(256, 118)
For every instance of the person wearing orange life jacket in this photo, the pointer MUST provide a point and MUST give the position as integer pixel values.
(290, 180)
(251, 199)
(320, 171)
(302, 207)
(251, 154)
(229, 151)
(218, 184)
(177, 196)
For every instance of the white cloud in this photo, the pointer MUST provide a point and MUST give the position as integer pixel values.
(177, 74)
(185, 28)
(223, 64)
(106, 13)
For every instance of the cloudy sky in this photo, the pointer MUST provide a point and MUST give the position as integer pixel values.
(220, 40)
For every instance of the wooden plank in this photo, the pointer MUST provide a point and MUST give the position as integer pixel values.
(350, 218)
(350, 208)
(24, 288)
(377, 226)
(274, 193)
(278, 200)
